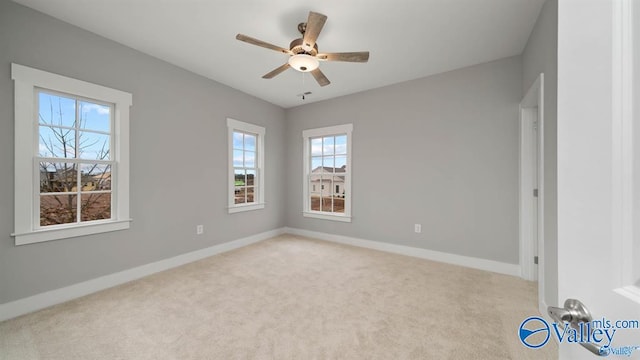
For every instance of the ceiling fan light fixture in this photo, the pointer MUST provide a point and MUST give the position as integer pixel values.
(303, 62)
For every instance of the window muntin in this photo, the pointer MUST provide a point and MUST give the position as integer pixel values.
(246, 166)
(327, 173)
(74, 159)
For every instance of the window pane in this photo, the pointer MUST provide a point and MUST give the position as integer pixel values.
(341, 144)
(249, 142)
(328, 145)
(250, 193)
(338, 205)
(251, 175)
(239, 178)
(315, 185)
(338, 184)
(237, 158)
(56, 110)
(237, 140)
(315, 180)
(316, 164)
(327, 205)
(341, 163)
(95, 177)
(328, 163)
(240, 195)
(314, 202)
(58, 177)
(316, 146)
(94, 146)
(95, 206)
(95, 116)
(57, 209)
(249, 159)
(56, 142)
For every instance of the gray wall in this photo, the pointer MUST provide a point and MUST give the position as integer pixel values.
(178, 156)
(541, 56)
(441, 151)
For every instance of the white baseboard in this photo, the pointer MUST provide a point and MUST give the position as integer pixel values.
(57, 296)
(471, 262)
(36, 302)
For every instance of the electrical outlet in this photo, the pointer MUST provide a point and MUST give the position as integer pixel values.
(417, 228)
(199, 229)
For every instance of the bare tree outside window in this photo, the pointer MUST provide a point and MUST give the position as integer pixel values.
(75, 159)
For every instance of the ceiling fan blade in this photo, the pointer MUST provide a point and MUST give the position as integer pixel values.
(360, 56)
(254, 41)
(276, 71)
(315, 22)
(320, 78)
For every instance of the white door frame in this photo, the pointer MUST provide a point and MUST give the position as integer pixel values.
(625, 143)
(532, 110)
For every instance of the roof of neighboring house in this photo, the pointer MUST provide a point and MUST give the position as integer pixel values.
(103, 176)
(326, 169)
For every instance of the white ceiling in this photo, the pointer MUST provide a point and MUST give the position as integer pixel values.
(407, 39)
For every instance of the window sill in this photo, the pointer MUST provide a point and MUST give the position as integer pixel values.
(65, 232)
(325, 216)
(241, 208)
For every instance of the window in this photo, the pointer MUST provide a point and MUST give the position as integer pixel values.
(327, 163)
(71, 157)
(246, 159)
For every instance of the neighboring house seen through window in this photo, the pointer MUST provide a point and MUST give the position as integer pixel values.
(72, 157)
(246, 158)
(327, 177)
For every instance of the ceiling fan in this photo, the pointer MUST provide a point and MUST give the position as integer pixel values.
(303, 52)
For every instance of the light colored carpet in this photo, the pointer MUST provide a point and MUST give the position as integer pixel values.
(289, 298)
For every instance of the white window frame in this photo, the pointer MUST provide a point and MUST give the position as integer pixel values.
(27, 82)
(260, 132)
(345, 129)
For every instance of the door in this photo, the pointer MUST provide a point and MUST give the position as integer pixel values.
(598, 182)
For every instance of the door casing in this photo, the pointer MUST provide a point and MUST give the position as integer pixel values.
(532, 166)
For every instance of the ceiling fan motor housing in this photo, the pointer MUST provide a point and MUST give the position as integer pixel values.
(297, 47)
